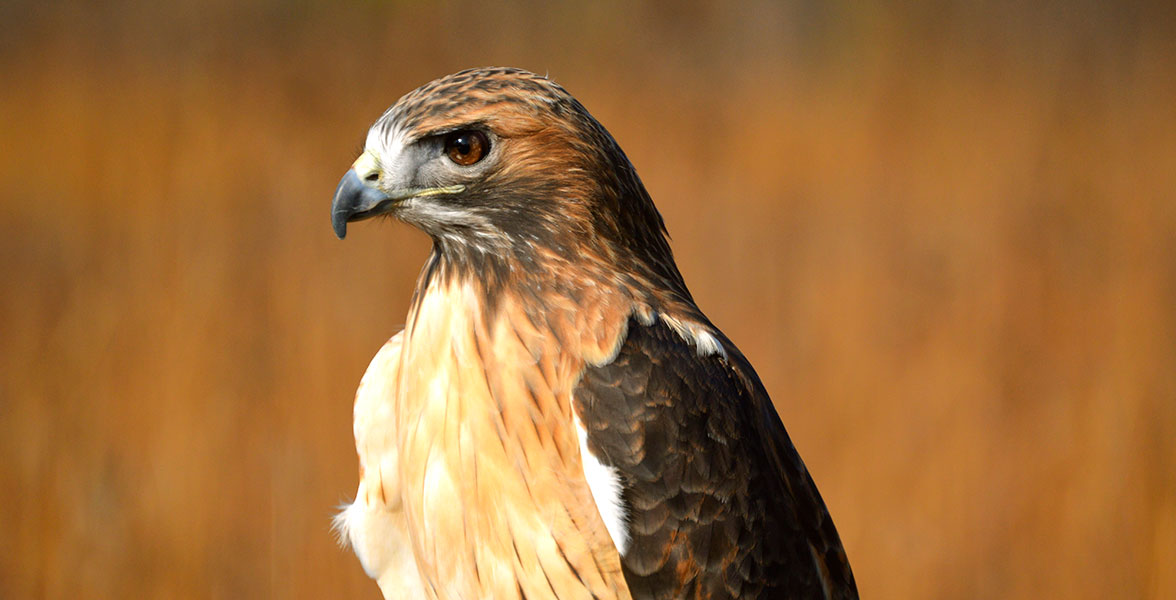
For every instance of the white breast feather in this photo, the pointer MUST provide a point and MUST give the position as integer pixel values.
(374, 524)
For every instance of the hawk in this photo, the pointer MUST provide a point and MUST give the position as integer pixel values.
(558, 419)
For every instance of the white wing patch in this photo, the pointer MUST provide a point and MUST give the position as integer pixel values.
(605, 486)
(704, 342)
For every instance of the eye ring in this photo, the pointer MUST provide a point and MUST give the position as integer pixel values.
(466, 147)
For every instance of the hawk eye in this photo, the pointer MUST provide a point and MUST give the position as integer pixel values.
(466, 147)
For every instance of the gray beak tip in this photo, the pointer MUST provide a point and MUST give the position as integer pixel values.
(356, 200)
(353, 200)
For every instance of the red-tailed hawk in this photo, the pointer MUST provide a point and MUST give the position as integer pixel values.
(558, 419)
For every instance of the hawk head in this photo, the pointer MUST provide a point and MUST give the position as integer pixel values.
(502, 167)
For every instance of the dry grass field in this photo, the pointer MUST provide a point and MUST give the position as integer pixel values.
(945, 236)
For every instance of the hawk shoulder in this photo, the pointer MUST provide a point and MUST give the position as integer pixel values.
(717, 500)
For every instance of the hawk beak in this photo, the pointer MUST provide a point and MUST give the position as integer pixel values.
(359, 195)
(356, 200)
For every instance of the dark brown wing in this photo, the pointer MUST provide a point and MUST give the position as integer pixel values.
(719, 503)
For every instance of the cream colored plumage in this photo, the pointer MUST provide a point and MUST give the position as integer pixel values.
(374, 524)
(471, 481)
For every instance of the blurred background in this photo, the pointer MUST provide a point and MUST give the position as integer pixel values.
(946, 237)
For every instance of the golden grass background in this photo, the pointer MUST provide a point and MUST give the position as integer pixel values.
(946, 237)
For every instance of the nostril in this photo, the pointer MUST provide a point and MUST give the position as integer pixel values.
(372, 177)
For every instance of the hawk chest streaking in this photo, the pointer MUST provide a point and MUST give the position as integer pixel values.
(558, 419)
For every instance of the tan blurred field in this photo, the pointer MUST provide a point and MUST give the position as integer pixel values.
(946, 237)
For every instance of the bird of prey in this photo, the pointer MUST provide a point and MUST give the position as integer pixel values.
(558, 419)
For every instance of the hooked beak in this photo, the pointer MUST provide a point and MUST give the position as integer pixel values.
(360, 195)
(356, 200)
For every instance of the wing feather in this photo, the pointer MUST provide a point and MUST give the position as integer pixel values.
(719, 503)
